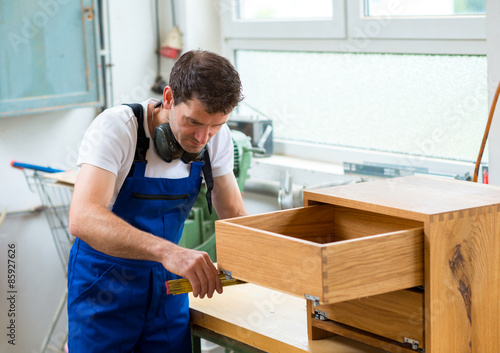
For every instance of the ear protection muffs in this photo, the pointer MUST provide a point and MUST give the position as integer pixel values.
(167, 146)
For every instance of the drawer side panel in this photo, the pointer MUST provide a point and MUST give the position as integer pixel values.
(271, 260)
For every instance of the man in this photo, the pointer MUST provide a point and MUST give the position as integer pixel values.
(136, 186)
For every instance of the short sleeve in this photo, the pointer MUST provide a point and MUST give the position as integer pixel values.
(221, 152)
(109, 140)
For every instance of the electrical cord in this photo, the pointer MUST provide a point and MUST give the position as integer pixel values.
(173, 13)
(486, 132)
(159, 84)
(158, 68)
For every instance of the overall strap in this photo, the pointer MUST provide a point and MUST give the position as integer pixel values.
(142, 141)
(209, 180)
(143, 145)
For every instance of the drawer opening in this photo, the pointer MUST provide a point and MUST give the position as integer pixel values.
(324, 224)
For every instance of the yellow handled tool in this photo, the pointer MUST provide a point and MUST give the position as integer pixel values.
(179, 286)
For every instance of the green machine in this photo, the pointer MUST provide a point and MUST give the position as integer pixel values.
(199, 228)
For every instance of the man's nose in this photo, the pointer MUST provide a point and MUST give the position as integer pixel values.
(203, 135)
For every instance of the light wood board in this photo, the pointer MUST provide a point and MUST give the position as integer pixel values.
(67, 177)
(266, 319)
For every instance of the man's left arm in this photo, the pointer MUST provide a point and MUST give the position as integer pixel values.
(226, 197)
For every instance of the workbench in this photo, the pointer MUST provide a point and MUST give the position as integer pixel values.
(251, 318)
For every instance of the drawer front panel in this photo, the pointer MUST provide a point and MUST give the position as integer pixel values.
(270, 260)
(373, 265)
(393, 315)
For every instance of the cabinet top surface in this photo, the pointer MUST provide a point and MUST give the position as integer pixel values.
(415, 196)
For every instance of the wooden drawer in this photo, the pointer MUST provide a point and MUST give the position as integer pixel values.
(327, 252)
(395, 317)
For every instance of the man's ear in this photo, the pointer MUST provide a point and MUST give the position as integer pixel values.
(168, 97)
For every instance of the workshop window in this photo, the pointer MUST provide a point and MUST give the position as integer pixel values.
(283, 9)
(401, 77)
(427, 7)
(420, 105)
(283, 19)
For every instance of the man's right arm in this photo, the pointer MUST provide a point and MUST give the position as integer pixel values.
(91, 221)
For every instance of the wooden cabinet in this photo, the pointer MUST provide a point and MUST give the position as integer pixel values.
(363, 254)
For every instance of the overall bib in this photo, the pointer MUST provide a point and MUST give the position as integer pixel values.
(121, 305)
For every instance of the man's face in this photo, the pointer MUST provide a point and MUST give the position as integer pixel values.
(192, 126)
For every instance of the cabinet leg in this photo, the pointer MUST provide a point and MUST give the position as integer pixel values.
(315, 333)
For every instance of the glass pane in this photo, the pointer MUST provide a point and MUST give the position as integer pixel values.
(422, 105)
(424, 7)
(283, 9)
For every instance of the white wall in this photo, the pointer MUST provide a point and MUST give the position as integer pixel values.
(133, 41)
(45, 139)
(133, 46)
(200, 22)
(493, 45)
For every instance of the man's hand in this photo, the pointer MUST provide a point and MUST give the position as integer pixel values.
(197, 267)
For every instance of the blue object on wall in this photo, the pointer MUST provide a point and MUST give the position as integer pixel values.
(48, 56)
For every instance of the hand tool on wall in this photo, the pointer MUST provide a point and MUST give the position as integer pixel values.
(486, 132)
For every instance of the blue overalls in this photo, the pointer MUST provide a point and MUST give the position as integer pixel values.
(121, 305)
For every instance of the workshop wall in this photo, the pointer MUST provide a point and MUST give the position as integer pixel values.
(52, 139)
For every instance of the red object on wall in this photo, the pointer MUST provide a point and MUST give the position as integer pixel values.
(485, 175)
(170, 53)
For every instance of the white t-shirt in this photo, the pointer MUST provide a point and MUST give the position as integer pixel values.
(109, 143)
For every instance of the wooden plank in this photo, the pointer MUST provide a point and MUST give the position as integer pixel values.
(67, 177)
(413, 197)
(269, 259)
(462, 281)
(373, 265)
(393, 315)
(266, 319)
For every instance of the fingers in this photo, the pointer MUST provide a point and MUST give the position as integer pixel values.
(209, 278)
(201, 273)
(213, 280)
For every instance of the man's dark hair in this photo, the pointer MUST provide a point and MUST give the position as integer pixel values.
(208, 77)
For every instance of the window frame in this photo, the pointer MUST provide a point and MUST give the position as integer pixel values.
(393, 26)
(441, 37)
(283, 29)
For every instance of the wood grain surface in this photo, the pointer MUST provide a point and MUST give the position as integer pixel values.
(266, 319)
